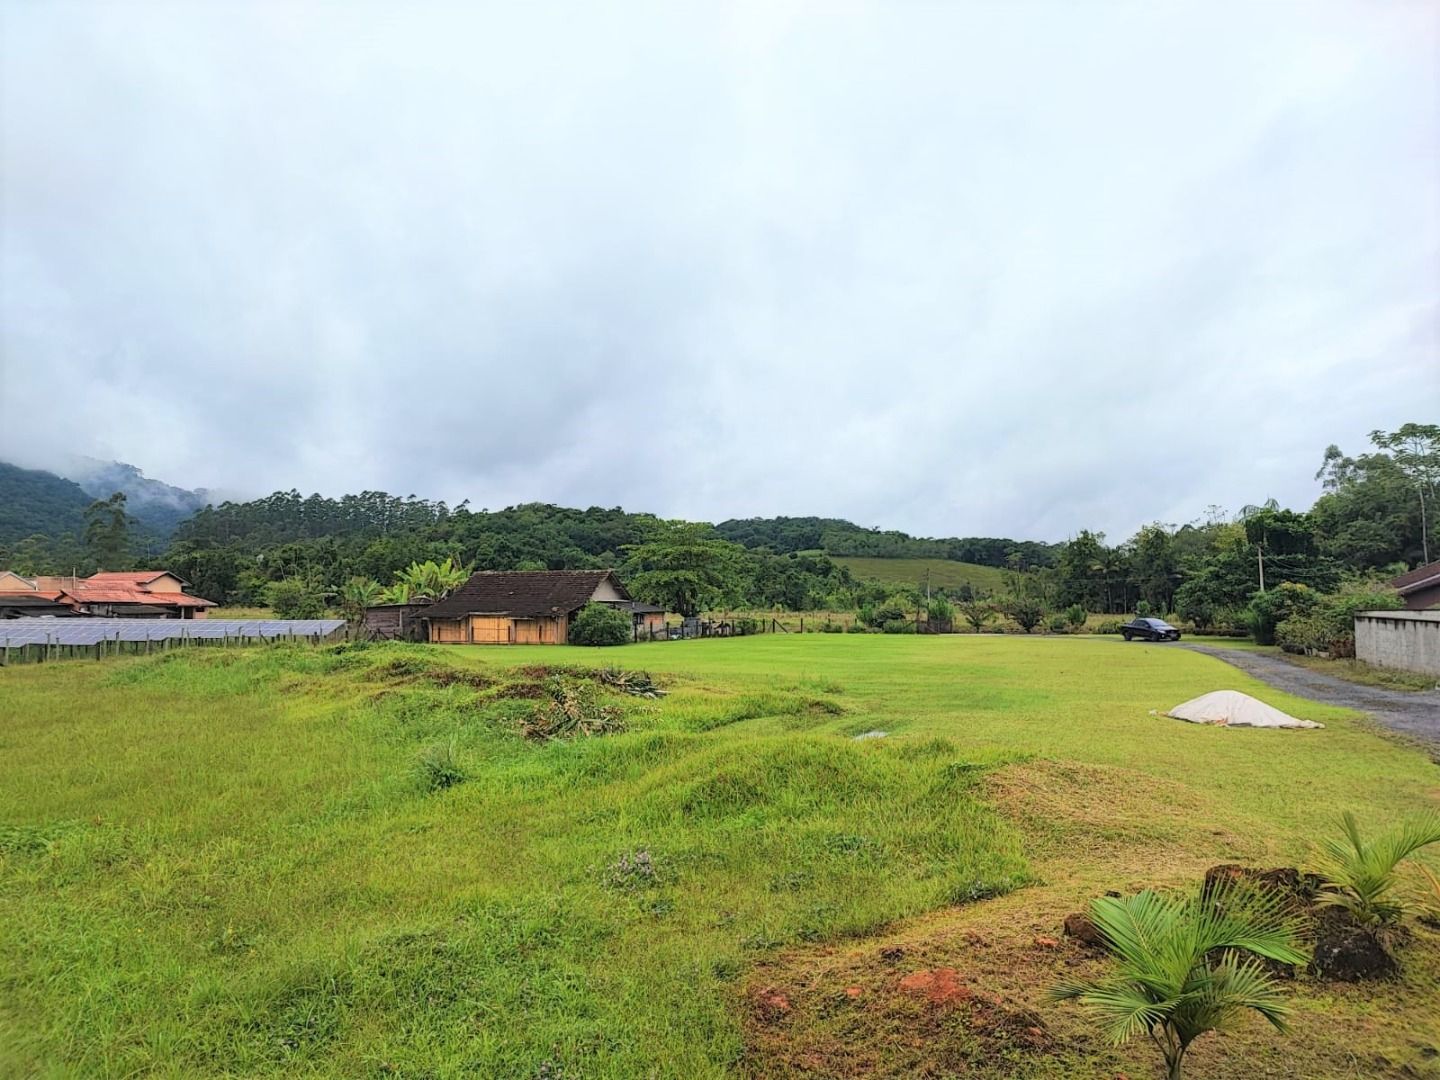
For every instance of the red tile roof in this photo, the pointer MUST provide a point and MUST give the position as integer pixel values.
(119, 594)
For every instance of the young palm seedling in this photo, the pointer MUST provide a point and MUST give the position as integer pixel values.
(1360, 875)
(1183, 968)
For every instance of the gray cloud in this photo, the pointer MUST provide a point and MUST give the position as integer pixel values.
(943, 268)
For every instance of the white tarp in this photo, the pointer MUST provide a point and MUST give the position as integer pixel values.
(1230, 708)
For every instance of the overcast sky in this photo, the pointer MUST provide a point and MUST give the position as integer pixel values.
(962, 269)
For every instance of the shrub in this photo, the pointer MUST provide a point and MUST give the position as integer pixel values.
(1058, 623)
(598, 624)
(1268, 609)
(1076, 615)
(1108, 626)
(295, 598)
(1198, 610)
(889, 611)
(1026, 611)
(857, 628)
(1180, 971)
(1326, 624)
(940, 614)
(901, 625)
(747, 625)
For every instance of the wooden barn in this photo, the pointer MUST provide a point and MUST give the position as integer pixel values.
(523, 607)
(396, 622)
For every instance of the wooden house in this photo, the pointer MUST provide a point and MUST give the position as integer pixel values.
(522, 607)
(397, 622)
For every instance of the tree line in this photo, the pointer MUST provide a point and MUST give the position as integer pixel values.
(1375, 517)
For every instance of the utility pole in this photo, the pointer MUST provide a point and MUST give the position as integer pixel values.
(1260, 558)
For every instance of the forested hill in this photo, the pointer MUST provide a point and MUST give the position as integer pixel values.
(34, 502)
(153, 503)
(835, 536)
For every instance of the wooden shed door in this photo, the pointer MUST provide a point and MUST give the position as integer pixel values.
(489, 630)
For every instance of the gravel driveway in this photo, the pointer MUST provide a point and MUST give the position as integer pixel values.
(1413, 713)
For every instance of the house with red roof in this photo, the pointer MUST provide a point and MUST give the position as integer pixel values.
(134, 594)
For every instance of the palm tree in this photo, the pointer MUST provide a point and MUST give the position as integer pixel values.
(1181, 966)
(1360, 875)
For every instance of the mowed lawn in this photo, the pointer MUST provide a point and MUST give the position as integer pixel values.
(231, 863)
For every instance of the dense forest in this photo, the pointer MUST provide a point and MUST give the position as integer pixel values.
(1375, 516)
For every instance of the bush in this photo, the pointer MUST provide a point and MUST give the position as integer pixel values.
(1268, 609)
(898, 626)
(1108, 626)
(940, 615)
(1059, 623)
(295, 598)
(878, 616)
(1328, 624)
(1026, 612)
(857, 628)
(1076, 615)
(747, 625)
(598, 624)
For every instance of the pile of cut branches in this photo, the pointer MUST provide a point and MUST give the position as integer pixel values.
(634, 683)
(572, 707)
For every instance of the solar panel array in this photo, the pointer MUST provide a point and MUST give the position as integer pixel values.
(81, 631)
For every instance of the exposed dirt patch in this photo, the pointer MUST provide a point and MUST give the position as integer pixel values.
(942, 1002)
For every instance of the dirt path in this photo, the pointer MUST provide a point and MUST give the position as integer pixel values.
(1413, 713)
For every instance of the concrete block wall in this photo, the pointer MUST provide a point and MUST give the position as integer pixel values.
(1407, 640)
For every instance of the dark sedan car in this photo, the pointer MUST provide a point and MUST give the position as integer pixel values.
(1149, 630)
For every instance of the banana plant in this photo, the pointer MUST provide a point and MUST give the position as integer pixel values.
(1186, 965)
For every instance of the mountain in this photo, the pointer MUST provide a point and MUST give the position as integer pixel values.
(155, 504)
(34, 501)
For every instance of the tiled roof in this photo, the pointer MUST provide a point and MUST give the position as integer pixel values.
(132, 577)
(522, 593)
(119, 594)
(34, 594)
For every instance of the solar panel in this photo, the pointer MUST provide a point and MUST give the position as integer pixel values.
(15, 633)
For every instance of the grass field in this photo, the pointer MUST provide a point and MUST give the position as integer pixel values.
(944, 573)
(233, 863)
